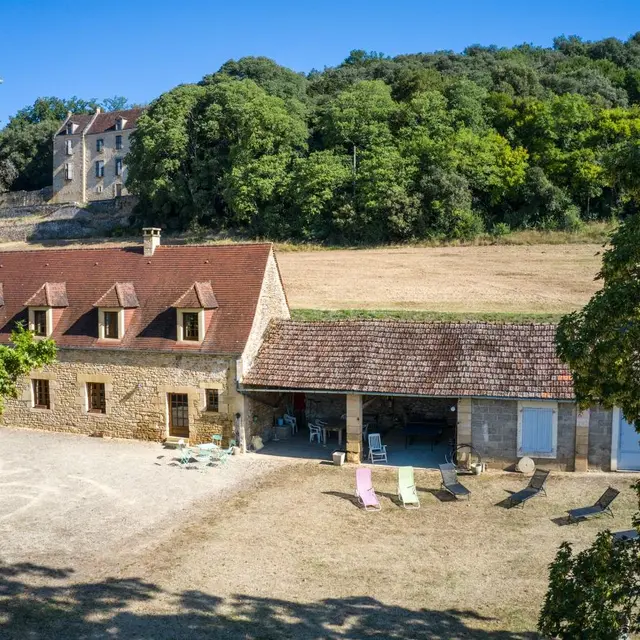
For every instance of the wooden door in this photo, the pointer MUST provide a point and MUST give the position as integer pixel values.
(179, 415)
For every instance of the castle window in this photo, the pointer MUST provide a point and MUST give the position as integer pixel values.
(118, 142)
(118, 166)
(99, 145)
(99, 168)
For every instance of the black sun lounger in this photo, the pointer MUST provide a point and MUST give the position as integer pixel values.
(625, 536)
(533, 489)
(450, 481)
(599, 508)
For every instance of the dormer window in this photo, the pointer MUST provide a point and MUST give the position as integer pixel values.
(194, 310)
(71, 128)
(115, 309)
(190, 326)
(45, 308)
(40, 322)
(120, 122)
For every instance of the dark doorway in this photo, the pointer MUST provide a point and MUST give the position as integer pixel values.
(179, 415)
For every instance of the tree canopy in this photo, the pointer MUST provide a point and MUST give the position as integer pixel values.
(378, 149)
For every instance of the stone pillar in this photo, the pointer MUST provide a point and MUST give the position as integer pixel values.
(354, 428)
(463, 432)
(581, 460)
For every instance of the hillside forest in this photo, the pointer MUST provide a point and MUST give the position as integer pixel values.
(381, 149)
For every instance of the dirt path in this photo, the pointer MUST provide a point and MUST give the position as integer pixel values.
(527, 279)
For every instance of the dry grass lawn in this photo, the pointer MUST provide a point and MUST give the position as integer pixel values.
(502, 278)
(293, 557)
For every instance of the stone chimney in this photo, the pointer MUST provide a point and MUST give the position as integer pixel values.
(151, 239)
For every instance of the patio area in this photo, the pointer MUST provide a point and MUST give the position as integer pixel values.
(419, 454)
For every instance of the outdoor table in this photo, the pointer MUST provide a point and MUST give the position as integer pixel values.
(207, 449)
(333, 426)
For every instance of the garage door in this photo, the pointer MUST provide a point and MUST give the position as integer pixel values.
(628, 446)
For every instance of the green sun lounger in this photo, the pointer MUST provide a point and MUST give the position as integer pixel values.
(407, 493)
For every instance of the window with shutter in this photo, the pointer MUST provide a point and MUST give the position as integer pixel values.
(537, 431)
(68, 171)
(69, 145)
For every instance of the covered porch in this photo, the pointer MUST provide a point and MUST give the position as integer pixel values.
(416, 431)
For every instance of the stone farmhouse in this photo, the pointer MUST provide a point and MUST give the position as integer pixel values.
(167, 342)
(88, 155)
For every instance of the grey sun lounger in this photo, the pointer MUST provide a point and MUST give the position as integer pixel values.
(450, 481)
(602, 506)
(533, 489)
(625, 536)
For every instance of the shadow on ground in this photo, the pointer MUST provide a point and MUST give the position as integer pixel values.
(107, 609)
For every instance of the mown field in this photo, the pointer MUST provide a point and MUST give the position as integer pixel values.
(537, 281)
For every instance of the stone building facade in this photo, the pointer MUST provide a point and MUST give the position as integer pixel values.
(150, 382)
(88, 156)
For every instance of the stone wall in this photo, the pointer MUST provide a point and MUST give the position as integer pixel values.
(109, 153)
(272, 304)
(494, 430)
(600, 438)
(25, 198)
(136, 385)
(494, 433)
(68, 190)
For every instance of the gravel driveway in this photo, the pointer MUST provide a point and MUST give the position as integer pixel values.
(66, 500)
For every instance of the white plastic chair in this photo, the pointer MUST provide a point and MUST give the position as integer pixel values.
(315, 431)
(292, 422)
(377, 450)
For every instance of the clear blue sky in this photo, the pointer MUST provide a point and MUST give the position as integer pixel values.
(139, 49)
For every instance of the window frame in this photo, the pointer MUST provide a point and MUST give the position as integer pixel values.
(522, 405)
(48, 318)
(181, 334)
(68, 171)
(187, 326)
(68, 147)
(111, 325)
(96, 390)
(119, 166)
(99, 145)
(37, 392)
(102, 323)
(212, 407)
(99, 168)
(119, 142)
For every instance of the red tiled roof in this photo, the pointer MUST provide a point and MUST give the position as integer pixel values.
(415, 358)
(122, 294)
(199, 296)
(235, 273)
(50, 294)
(107, 121)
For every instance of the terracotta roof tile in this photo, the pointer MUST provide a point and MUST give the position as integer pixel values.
(199, 296)
(235, 273)
(414, 358)
(50, 294)
(121, 294)
(107, 121)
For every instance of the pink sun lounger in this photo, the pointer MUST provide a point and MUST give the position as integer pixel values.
(364, 490)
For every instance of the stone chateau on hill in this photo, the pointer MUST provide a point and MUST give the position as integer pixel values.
(88, 155)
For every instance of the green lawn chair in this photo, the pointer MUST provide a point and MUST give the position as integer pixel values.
(185, 453)
(407, 493)
(223, 454)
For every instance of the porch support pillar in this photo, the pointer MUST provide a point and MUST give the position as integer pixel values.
(463, 430)
(581, 460)
(354, 428)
